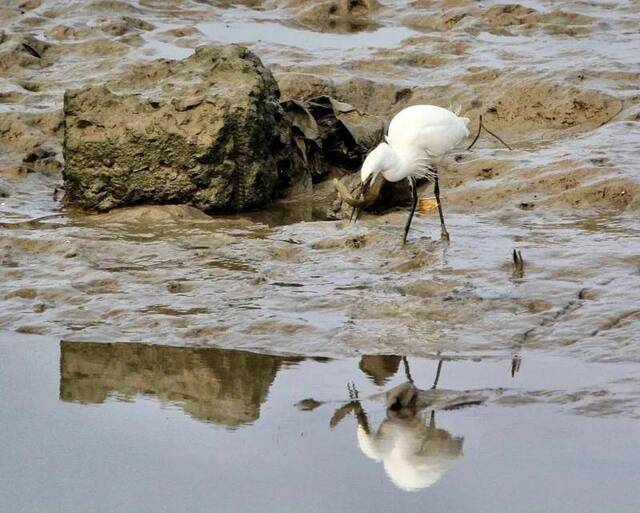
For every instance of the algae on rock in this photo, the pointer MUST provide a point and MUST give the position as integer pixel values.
(207, 131)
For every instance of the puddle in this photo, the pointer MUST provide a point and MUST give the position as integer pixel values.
(277, 34)
(273, 36)
(202, 429)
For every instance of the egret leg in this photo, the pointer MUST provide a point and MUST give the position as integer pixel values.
(436, 192)
(414, 204)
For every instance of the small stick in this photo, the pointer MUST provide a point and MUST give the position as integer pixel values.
(481, 125)
(31, 50)
(494, 135)
(477, 134)
(518, 264)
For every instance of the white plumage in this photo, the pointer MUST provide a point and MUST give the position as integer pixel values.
(418, 138)
(415, 454)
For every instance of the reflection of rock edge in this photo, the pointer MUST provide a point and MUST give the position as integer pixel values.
(221, 386)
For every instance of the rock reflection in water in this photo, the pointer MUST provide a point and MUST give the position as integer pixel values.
(222, 386)
(380, 368)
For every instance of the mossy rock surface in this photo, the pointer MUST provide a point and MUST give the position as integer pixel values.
(207, 131)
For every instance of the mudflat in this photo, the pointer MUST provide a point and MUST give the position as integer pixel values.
(558, 81)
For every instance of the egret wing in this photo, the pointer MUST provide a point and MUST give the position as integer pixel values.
(438, 140)
(427, 128)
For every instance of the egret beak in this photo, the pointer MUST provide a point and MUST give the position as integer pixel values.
(364, 187)
(366, 184)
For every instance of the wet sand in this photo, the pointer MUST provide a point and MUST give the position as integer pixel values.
(559, 83)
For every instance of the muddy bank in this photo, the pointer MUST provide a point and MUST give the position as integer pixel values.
(572, 96)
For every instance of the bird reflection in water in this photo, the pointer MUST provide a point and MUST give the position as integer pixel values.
(415, 453)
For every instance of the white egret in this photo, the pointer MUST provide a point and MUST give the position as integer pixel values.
(414, 452)
(418, 138)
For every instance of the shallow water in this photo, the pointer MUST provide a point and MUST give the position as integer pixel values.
(334, 45)
(131, 427)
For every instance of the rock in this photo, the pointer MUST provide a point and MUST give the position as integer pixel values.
(308, 404)
(124, 25)
(39, 153)
(339, 15)
(382, 99)
(347, 133)
(22, 51)
(330, 133)
(42, 160)
(304, 86)
(206, 131)
(306, 136)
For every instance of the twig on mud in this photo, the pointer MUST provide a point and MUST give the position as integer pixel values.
(29, 221)
(518, 264)
(30, 49)
(481, 125)
(615, 115)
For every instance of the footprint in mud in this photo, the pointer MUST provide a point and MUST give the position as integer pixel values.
(26, 293)
(356, 242)
(98, 286)
(180, 287)
(404, 264)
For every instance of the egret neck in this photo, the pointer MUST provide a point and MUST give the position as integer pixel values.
(395, 164)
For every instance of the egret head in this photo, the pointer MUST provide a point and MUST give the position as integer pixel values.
(381, 159)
